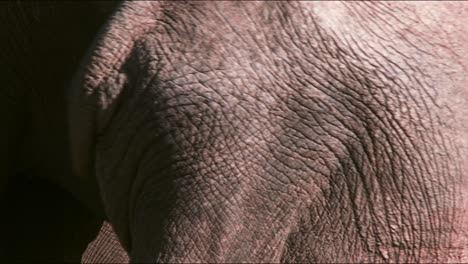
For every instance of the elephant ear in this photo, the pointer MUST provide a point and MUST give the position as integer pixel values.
(101, 78)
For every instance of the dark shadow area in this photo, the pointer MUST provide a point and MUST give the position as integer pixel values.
(41, 46)
(43, 223)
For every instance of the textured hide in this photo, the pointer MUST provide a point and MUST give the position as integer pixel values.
(105, 248)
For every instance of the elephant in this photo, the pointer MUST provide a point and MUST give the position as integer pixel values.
(48, 214)
(278, 131)
(105, 248)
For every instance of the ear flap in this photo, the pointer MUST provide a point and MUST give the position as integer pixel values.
(95, 90)
(82, 124)
(92, 98)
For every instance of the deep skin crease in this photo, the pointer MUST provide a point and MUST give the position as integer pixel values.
(48, 214)
(279, 132)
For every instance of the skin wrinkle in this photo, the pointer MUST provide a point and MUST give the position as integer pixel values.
(126, 155)
(99, 67)
(368, 156)
(374, 145)
(148, 147)
(367, 190)
(116, 67)
(400, 53)
(251, 116)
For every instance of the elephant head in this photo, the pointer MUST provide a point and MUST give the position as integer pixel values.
(278, 131)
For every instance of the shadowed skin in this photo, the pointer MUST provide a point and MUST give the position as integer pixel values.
(235, 132)
(279, 132)
(48, 214)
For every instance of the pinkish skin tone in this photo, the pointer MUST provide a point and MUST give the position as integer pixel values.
(422, 48)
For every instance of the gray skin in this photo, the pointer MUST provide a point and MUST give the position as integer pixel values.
(106, 248)
(279, 132)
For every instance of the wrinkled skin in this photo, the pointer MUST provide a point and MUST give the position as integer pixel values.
(106, 248)
(279, 132)
(48, 214)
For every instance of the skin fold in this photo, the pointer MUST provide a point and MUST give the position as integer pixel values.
(279, 132)
(257, 131)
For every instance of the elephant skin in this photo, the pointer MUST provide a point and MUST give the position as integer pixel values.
(243, 131)
(105, 248)
(279, 131)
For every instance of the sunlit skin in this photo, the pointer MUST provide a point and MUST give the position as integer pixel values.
(279, 132)
(228, 132)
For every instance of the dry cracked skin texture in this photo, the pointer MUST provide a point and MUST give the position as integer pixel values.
(376, 90)
(105, 248)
